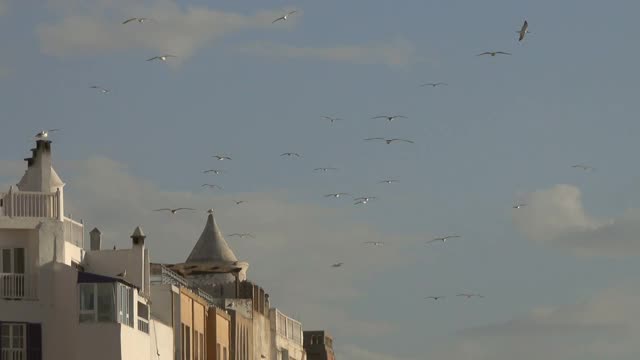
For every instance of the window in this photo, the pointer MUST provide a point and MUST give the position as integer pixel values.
(87, 302)
(183, 344)
(143, 317)
(13, 340)
(187, 343)
(196, 346)
(224, 353)
(125, 305)
(218, 351)
(12, 261)
(98, 302)
(202, 346)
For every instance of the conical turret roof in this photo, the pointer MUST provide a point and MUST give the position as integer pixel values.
(211, 247)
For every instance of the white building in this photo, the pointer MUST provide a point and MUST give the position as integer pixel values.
(286, 337)
(56, 300)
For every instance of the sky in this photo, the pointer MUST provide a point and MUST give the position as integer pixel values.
(558, 276)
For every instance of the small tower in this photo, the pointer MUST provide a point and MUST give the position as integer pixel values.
(95, 237)
(138, 237)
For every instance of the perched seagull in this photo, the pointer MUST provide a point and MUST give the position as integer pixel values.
(519, 206)
(494, 53)
(221, 157)
(583, 167)
(161, 57)
(210, 211)
(434, 297)
(468, 296)
(434, 84)
(332, 119)
(324, 169)
(140, 20)
(238, 202)
(443, 238)
(374, 243)
(45, 133)
(215, 171)
(524, 30)
(102, 90)
(336, 195)
(388, 181)
(212, 186)
(122, 274)
(290, 154)
(337, 265)
(284, 17)
(388, 141)
(389, 117)
(173, 211)
(242, 235)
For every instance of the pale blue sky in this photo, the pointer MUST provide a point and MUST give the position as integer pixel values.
(504, 126)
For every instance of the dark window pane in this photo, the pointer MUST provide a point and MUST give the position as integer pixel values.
(18, 260)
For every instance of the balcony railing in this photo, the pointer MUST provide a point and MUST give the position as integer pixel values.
(17, 286)
(13, 354)
(74, 232)
(30, 204)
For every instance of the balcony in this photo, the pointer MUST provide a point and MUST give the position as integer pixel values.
(18, 287)
(73, 232)
(29, 204)
(13, 354)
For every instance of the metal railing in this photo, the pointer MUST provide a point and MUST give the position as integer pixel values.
(74, 232)
(13, 354)
(143, 325)
(167, 276)
(30, 204)
(17, 286)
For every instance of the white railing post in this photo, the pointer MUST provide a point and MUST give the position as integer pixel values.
(10, 199)
(59, 205)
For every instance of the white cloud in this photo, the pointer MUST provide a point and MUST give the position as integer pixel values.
(176, 30)
(604, 327)
(290, 257)
(557, 216)
(398, 52)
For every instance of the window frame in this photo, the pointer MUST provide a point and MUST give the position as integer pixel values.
(12, 336)
(12, 260)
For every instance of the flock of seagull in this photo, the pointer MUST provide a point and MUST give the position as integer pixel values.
(363, 200)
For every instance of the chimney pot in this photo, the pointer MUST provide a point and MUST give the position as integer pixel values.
(95, 237)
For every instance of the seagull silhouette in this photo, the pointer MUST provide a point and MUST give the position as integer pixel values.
(242, 235)
(215, 171)
(434, 297)
(284, 17)
(238, 202)
(519, 206)
(140, 20)
(102, 90)
(324, 169)
(161, 57)
(388, 181)
(583, 167)
(389, 141)
(45, 133)
(524, 30)
(332, 119)
(122, 274)
(434, 84)
(221, 157)
(389, 117)
(336, 195)
(443, 238)
(337, 265)
(212, 186)
(374, 243)
(494, 53)
(173, 211)
(468, 296)
(290, 154)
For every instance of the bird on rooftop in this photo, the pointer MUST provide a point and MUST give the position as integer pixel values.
(336, 195)
(583, 167)
(215, 171)
(102, 90)
(284, 17)
(336, 265)
(161, 57)
(173, 211)
(332, 119)
(212, 186)
(434, 297)
(45, 133)
(324, 169)
(434, 84)
(140, 20)
(519, 206)
(242, 235)
(221, 157)
(388, 181)
(122, 274)
(210, 211)
(468, 296)
(524, 30)
(290, 154)
(443, 238)
(494, 53)
(374, 243)
(389, 117)
(389, 141)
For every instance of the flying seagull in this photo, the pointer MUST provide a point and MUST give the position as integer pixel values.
(519, 206)
(434, 84)
(238, 202)
(494, 53)
(242, 235)
(336, 195)
(389, 117)
(221, 157)
(284, 17)
(443, 238)
(161, 57)
(388, 181)
(324, 169)
(45, 133)
(332, 119)
(290, 154)
(374, 243)
(583, 167)
(173, 211)
(524, 30)
(337, 265)
(363, 200)
(434, 297)
(211, 186)
(215, 171)
(140, 20)
(102, 90)
(389, 141)
(122, 274)
(468, 296)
